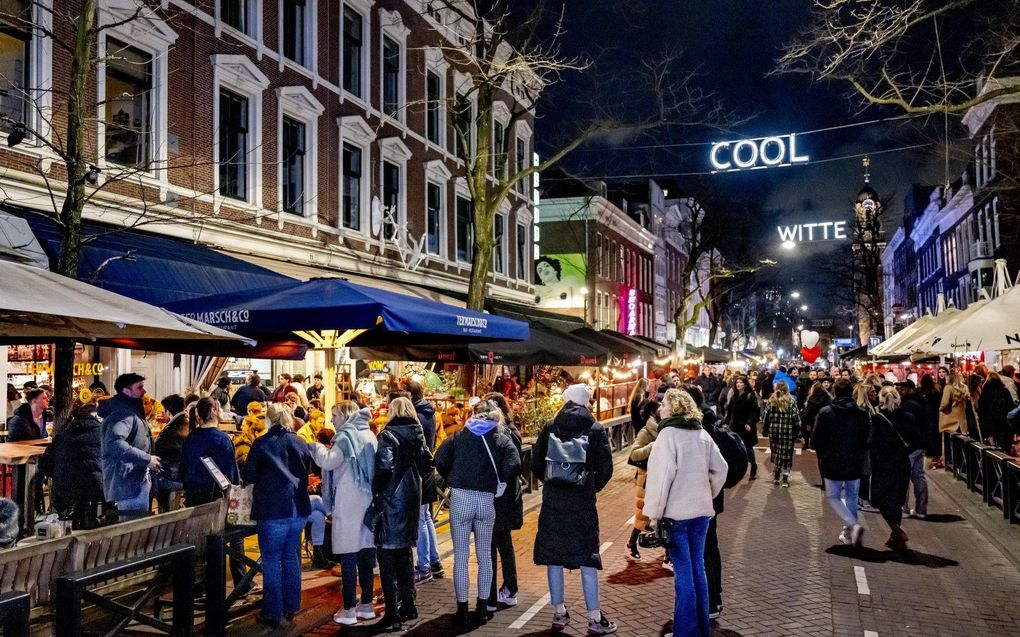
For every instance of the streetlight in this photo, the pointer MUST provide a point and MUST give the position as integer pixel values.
(795, 294)
(803, 308)
(788, 245)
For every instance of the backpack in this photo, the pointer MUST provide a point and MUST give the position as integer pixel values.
(733, 452)
(566, 461)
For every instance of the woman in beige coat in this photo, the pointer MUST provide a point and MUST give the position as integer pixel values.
(639, 452)
(953, 409)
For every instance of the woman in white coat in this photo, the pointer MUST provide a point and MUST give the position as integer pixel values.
(347, 471)
(685, 472)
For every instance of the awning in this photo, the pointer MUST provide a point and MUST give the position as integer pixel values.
(661, 349)
(148, 267)
(331, 305)
(647, 351)
(623, 349)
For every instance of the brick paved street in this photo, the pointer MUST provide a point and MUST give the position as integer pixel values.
(784, 573)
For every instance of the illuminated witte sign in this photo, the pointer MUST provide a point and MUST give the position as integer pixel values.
(822, 231)
(765, 152)
(632, 312)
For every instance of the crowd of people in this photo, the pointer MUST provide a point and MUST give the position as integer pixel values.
(373, 488)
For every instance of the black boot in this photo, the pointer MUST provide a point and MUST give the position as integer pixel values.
(460, 618)
(632, 544)
(482, 614)
(319, 559)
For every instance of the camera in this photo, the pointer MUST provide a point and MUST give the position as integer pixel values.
(658, 538)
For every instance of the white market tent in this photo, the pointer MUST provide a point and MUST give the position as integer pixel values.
(891, 346)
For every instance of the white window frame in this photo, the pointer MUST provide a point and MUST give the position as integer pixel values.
(463, 85)
(238, 74)
(436, 63)
(311, 53)
(505, 214)
(392, 27)
(355, 131)
(149, 33)
(524, 218)
(461, 190)
(438, 174)
(253, 19)
(297, 102)
(525, 133)
(522, 264)
(501, 114)
(392, 150)
(364, 9)
(38, 92)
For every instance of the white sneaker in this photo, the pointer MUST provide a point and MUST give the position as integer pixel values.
(365, 611)
(346, 616)
(503, 596)
(915, 514)
(857, 534)
(844, 536)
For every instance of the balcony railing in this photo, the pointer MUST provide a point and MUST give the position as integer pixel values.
(981, 250)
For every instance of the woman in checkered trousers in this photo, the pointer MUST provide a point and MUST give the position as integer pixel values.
(474, 462)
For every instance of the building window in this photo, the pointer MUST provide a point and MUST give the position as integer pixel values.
(233, 145)
(391, 199)
(499, 247)
(520, 163)
(465, 229)
(294, 26)
(522, 252)
(352, 188)
(498, 150)
(433, 106)
(293, 166)
(433, 217)
(234, 13)
(391, 78)
(128, 104)
(352, 48)
(14, 72)
(463, 119)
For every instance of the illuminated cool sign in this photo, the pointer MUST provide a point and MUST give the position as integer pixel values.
(765, 152)
(822, 231)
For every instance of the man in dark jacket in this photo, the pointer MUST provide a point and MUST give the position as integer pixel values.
(127, 448)
(429, 565)
(74, 462)
(915, 405)
(710, 385)
(840, 439)
(28, 421)
(251, 392)
(568, 524)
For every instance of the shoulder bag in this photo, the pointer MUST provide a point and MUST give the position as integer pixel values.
(500, 485)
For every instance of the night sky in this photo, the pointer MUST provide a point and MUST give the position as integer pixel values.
(732, 45)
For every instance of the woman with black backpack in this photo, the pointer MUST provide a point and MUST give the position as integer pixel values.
(573, 460)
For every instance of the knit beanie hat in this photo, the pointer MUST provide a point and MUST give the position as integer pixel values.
(578, 394)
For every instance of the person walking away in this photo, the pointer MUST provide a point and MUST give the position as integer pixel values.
(128, 455)
(639, 452)
(914, 405)
(168, 448)
(804, 384)
(840, 440)
(206, 441)
(637, 396)
(429, 566)
(509, 517)
(817, 397)
(891, 429)
(932, 437)
(251, 392)
(28, 421)
(572, 458)
(476, 462)
(400, 462)
(348, 468)
(866, 397)
(686, 472)
(954, 405)
(743, 420)
(994, 403)
(277, 465)
(74, 461)
(781, 423)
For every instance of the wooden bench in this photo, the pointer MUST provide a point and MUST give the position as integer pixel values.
(35, 566)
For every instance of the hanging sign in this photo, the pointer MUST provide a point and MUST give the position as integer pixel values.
(763, 152)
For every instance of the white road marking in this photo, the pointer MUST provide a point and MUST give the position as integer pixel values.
(540, 604)
(870, 633)
(862, 581)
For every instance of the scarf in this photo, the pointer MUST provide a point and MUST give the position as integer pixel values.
(354, 449)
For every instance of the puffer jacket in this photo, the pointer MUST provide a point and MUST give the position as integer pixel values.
(74, 461)
(427, 418)
(22, 426)
(400, 462)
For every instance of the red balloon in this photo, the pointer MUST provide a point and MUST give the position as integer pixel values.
(810, 354)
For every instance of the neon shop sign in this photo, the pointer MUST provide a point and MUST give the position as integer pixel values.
(821, 231)
(749, 154)
(632, 312)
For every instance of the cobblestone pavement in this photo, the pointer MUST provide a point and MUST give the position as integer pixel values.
(784, 573)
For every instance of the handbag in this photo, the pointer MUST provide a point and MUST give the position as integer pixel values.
(239, 500)
(639, 464)
(500, 485)
(566, 461)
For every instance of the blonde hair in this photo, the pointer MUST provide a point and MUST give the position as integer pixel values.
(781, 398)
(345, 408)
(401, 407)
(277, 414)
(861, 391)
(680, 403)
(889, 399)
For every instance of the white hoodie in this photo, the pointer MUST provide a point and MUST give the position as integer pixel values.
(685, 472)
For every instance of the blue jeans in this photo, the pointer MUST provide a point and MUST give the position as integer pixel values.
(842, 497)
(357, 568)
(919, 481)
(138, 506)
(281, 568)
(428, 544)
(589, 583)
(687, 552)
(317, 518)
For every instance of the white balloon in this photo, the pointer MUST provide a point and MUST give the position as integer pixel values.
(808, 338)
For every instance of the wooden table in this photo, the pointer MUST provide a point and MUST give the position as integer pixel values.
(23, 456)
